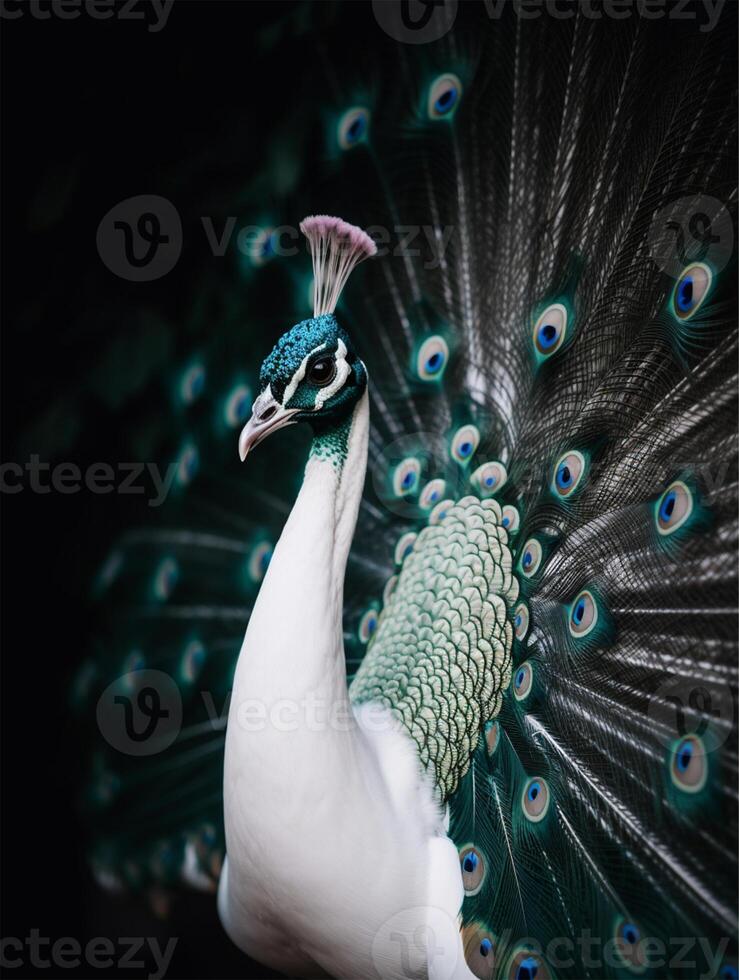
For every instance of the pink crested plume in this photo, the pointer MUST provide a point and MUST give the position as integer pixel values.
(336, 249)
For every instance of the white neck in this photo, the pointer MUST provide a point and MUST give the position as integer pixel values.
(330, 829)
(293, 645)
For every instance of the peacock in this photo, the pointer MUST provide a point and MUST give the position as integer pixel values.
(458, 699)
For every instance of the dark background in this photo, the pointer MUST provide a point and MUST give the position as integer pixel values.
(94, 112)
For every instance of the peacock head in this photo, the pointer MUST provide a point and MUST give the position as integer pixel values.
(313, 373)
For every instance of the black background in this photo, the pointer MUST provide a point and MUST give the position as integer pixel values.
(93, 112)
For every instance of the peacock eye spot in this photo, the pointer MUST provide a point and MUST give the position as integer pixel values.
(688, 766)
(674, 507)
(691, 290)
(479, 950)
(729, 972)
(531, 558)
(406, 476)
(568, 473)
(353, 127)
(510, 518)
(535, 799)
(444, 95)
(550, 330)
(431, 358)
(583, 614)
(473, 869)
(431, 494)
(464, 443)
(629, 947)
(322, 372)
(528, 969)
(526, 964)
(367, 626)
(522, 681)
(547, 334)
(521, 620)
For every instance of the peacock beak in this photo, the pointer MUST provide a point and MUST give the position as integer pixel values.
(267, 416)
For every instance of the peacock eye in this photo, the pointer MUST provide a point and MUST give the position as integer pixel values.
(550, 329)
(688, 764)
(431, 494)
(405, 476)
(237, 407)
(444, 95)
(568, 472)
(390, 587)
(729, 972)
(259, 560)
(530, 558)
(521, 620)
(535, 799)
(489, 478)
(440, 511)
(322, 372)
(479, 950)
(510, 518)
(527, 964)
(353, 127)
(583, 614)
(192, 383)
(673, 508)
(473, 869)
(404, 546)
(193, 659)
(165, 578)
(629, 945)
(464, 444)
(492, 736)
(367, 626)
(432, 358)
(523, 678)
(262, 248)
(187, 464)
(691, 290)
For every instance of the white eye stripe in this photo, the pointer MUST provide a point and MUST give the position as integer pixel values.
(299, 375)
(343, 371)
